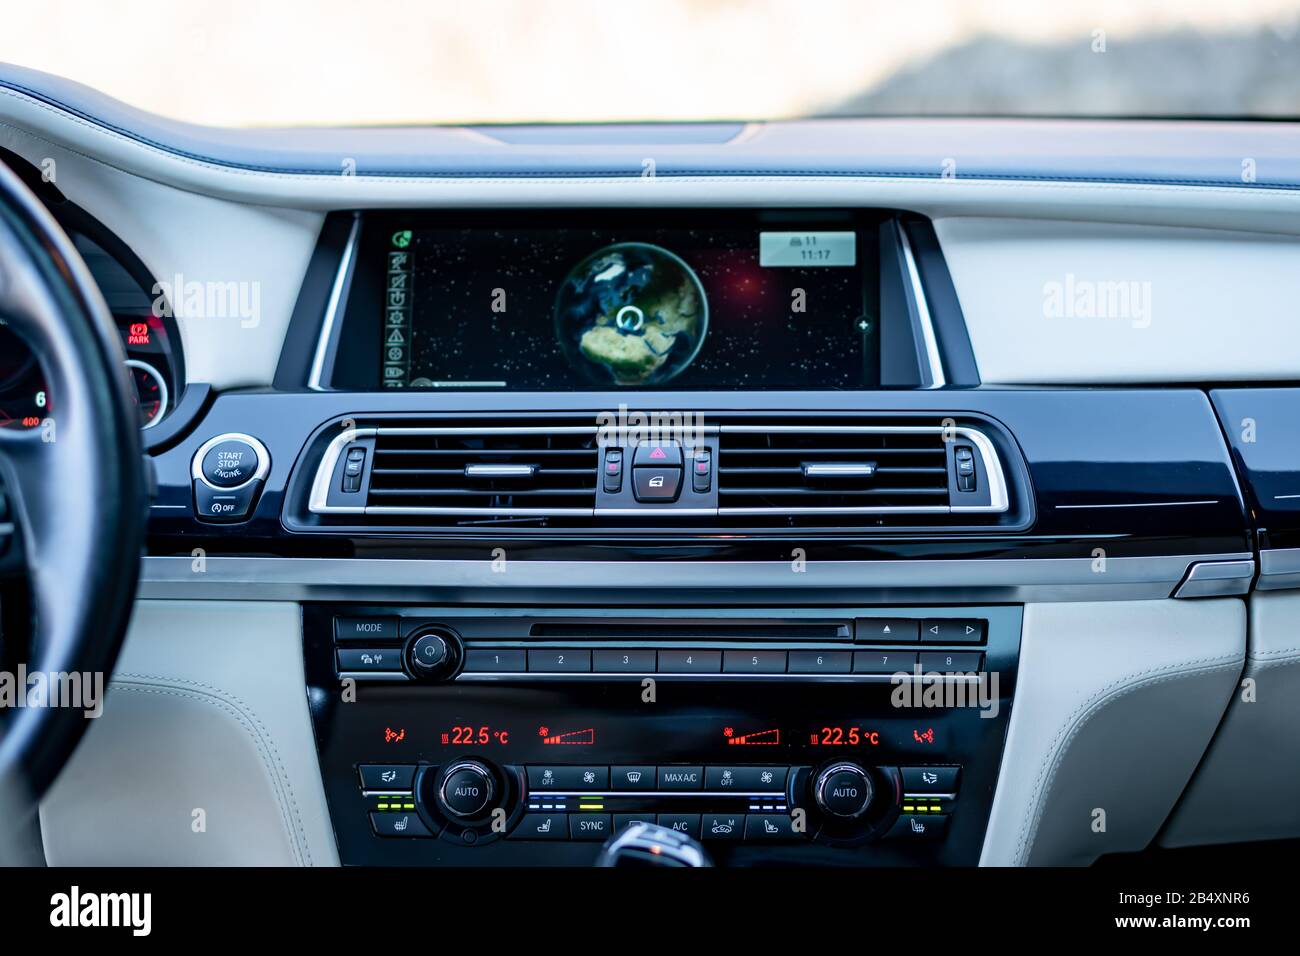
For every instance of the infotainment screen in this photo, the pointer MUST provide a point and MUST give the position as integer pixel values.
(702, 305)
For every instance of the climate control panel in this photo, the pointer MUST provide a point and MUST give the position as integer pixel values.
(809, 769)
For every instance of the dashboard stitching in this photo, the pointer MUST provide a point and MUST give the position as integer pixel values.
(246, 717)
(1075, 724)
(622, 177)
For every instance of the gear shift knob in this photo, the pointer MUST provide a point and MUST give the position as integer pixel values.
(648, 844)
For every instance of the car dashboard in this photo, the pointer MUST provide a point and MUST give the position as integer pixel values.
(762, 481)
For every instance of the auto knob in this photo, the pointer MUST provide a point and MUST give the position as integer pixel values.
(433, 654)
(466, 790)
(843, 790)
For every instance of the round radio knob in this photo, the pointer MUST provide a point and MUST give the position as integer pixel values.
(466, 790)
(433, 654)
(843, 790)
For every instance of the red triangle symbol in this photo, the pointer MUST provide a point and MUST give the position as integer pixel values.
(658, 453)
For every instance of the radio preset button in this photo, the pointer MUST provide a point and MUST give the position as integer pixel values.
(623, 662)
(559, 662)
(820, 662)
(487, 661)
(964, 661)
(883, 662)
(753, 662)
(690, 662)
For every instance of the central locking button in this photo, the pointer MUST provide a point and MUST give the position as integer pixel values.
(656, 484)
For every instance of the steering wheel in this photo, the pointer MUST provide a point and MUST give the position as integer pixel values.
(73, 499)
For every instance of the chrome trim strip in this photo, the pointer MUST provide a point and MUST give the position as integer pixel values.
(330, 325)
(761, 582)
(1137, 504)
(163, 408)
(1217, 579)
(492, 430)
(263, 460)
(475, 512)
(650, 511)
(929, 796)
(827, 469)
(928, 338)
(859, 510)
(906, 676)
(387, 676)
(1279, 569)
(500, 471)
(999, 501)
(739, 792)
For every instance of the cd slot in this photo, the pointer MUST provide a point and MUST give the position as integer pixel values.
(694, 631)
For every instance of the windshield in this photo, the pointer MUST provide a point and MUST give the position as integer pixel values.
(333, 62)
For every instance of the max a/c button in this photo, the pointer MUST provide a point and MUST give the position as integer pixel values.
(681, 778)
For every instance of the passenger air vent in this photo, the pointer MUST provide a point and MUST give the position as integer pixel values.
(812, 470)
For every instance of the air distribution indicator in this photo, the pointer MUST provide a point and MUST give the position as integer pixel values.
(761, 738)
(572, 738)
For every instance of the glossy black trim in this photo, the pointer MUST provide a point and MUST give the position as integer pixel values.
(305, 323)
(1082, 447)
(1261, 426)
(945, 308)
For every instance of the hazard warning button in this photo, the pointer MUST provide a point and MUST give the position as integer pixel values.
(665, 454)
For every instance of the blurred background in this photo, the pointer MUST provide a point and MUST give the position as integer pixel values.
(260, 63)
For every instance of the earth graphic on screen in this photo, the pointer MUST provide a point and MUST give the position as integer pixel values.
(631, 314)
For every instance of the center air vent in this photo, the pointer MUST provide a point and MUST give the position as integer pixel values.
(843, 472)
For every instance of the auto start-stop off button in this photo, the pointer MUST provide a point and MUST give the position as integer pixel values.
(227, 473)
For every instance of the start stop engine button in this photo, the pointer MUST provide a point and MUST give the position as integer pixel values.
(229, 464)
